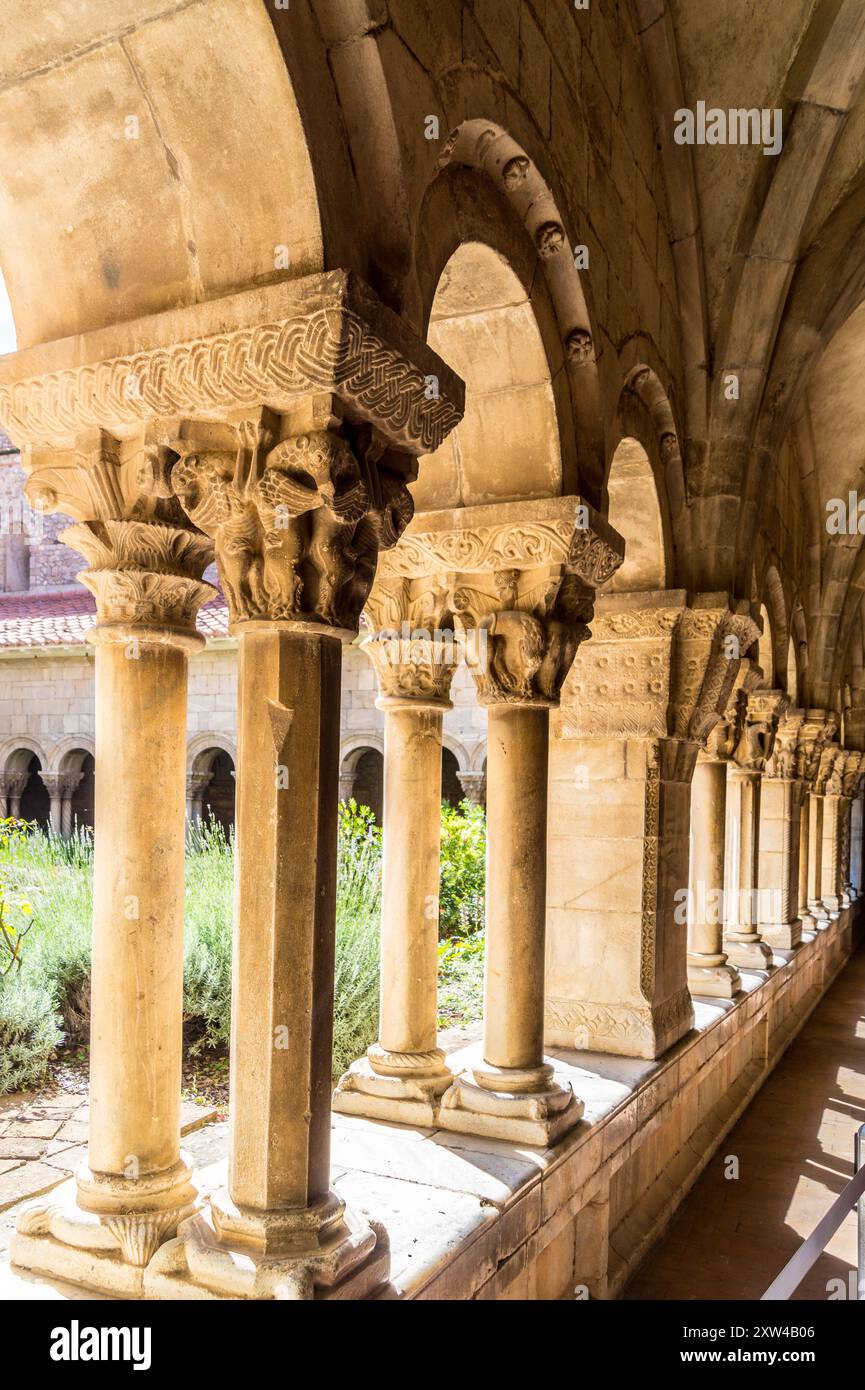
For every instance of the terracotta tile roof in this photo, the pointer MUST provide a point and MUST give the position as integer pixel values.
(63, 618)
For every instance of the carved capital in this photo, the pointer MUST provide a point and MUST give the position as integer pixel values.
(526, 656)
(782, 763)
(853, 762)
(760, 714)
(816, 728)
(712, 640)
(146, 579)
(296, 523)
(413, 668)
(827, 780)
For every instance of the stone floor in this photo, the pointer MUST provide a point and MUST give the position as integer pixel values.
(794, 1144)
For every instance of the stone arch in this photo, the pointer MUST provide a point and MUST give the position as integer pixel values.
(488, 189)
(645, 417)
(635, 512)
(775, 639)
(203, 747)
(15, 754)
(452, 791)
(459, 751)
(96, 105)
(68, 753)
(507, 446)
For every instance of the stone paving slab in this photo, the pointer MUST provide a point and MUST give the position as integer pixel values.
(43, 1139)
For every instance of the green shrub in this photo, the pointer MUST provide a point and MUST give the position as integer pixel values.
(207, 957)
(463, 870)
(29, 1033)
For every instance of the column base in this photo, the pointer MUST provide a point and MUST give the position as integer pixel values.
(106, 1245)
(833, 905)
(786, 936)
(627, 1030)
(748, 952)
(713, 978)
(381, 1086)
(819, 914)
(524, 1106)
(227, 1252)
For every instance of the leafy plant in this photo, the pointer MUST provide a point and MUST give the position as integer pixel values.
(463, 870)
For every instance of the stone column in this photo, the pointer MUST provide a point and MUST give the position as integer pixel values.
(713, 669)
(16, 783)
(522, 595)
(136, 1185)
(404, 1074)
(856, 821)
(849, 778)
(828, 845)
(69, 783)
(709, 972)
(780, 835)
(760, 710)
(347, 783)
(511, 1091)
(474, 786)
(196, 785)
(51, 783)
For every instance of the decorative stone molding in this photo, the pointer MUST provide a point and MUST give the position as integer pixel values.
(621, 1029)
(277, 345)
(507, 538)
(622, 683)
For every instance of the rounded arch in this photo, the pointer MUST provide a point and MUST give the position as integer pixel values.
(635, 512)
(69, 753)
(351, 748)
(645, 415)
(203, 748)
(479, 757)
(16, 752)
(486, 188)
(97, 107)
(455, 746)
(509, 444)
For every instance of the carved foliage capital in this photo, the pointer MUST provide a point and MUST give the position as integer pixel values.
(144, 575)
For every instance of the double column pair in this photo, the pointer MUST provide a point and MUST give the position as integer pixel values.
(519, 629)
(296, 502)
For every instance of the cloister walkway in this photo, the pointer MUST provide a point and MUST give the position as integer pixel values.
(794, 1146)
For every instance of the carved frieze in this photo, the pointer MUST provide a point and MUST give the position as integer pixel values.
(273, 346)
(621, 683)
